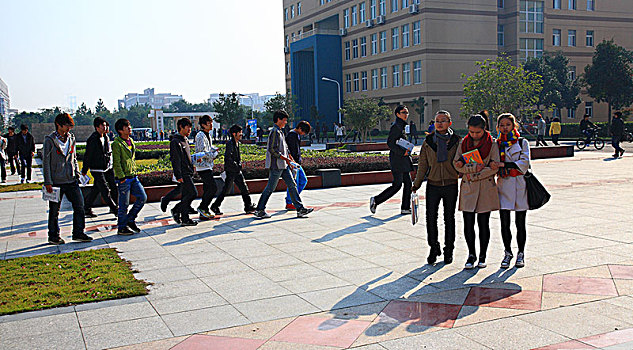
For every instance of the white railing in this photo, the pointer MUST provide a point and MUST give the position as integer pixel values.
(316, 31)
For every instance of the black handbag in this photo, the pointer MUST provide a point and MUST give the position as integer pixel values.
(536, 192)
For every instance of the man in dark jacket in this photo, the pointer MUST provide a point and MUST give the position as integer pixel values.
(180, 154)
(413, 132)
(98, 159)
(26, 150)
(233, 171)
(294, 147)
(324, 132)
(617, 130)
(12, 150)
(401, 165)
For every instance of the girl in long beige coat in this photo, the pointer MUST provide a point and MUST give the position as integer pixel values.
(478, 194)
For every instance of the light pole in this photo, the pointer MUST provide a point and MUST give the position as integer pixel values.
(252, 103)
(338, 90)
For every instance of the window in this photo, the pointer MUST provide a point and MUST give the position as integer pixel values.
(299, 34)
(395, 75)
(571, 38)
(347, 51)
(363, 47)
(364, 81)
(530, 48)
(395, 38)
(374, 44)
(556, 4)
(346, 18)
(322, 2)
(500, 35)
(372, 9)
(394, 5)
(571, 113)
(591, 5)
(299, 8)
(589, 38)
(383, 7)
(354, 16)
(355, 48)
(293, 36)
(406, 74)
(361, 9)
(348, 83)
(287, 68)
(405, 4)
(589, 108)
(417, 2)
(531, 16)
(383, 41)
(287, 41)
(405, 35)
(571, 4)
(286, 14)
(556, 37)
(292, 11)
(417, 72)
(383, 77)
(417, 38)
(572, 72)
(500, 4)
(356, 82)
(374, 79)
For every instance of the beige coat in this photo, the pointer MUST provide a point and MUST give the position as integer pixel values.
(479, 194)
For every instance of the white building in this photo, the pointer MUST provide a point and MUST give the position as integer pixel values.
(254, 100)
(148, 96)
(5, 102)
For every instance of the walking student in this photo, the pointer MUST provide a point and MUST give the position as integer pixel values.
(554, 130)
(293, 139)
(180, 154)
(61, 170)
(514, 155)
(278, 160)
(3, 159)
(124, 165)
(26, 150)
(541, 129)
(617, 131)
(233, 170)
(98, 159)
(401, 165)
(478, 193)
(204, 166)
(12, 150)
(436, 164)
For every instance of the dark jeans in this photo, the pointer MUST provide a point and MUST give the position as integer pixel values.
(413, 136)
(73, 193)
(209, 188)
(483, 221)
(273, 179)
(25, 166)
(540, 139)
(588, 134)
(130, 187)
(13, 160)
(189, 193)
(105, 185)
(398, 179)
(615, 142)
(506, 234)
(448, 196)
(555, 139)
(238, 179)
(3, 170)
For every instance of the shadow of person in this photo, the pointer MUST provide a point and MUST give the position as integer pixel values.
(357, 228)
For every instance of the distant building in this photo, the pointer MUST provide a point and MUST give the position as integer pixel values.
(254, 100)
(5, 102)
(148, 96)
(161, 121)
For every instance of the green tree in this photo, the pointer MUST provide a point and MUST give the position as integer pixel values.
(83, 115)
(500, 87)
(559, 89)
(364, 113)
(419, 104)
(609, 77)
(229, 109)
(100, 108)
(287, 103)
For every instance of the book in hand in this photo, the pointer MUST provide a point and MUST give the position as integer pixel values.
(415, 204)
(200, 156)
(51, 197)
(472, 157)
(408, 146)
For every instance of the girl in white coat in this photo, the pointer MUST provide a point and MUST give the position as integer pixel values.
(515, 162)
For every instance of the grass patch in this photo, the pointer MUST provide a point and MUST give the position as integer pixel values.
(21, 187)
(54, 280)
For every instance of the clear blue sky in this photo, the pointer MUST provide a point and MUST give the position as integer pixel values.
(93, 49)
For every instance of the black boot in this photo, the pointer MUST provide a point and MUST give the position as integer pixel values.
(433, 254)
(448, 255)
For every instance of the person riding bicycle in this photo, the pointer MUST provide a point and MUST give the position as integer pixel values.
(587, 128)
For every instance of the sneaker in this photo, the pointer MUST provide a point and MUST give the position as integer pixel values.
(261, 214)
(520, 260)
(470, 263)
(163, 204)
(217, 210)
(82, 238)
(621, 153)
(372, 205)
(616, 155)
(56, 241)
(176, 215)
(21, 181)
(482, 263)
(248, 210)
(192, 211)
(188, 223)
(405, 211)
(290, 207)
(125, 231)
(433, 254)
(448, 256)
(4, 181)
(132, 226)
(90, 214)
(205, 214)
(506, 260)
(303, 212)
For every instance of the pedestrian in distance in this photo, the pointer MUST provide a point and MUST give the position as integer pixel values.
(124, 165)
(317, 131)
(324, 132)
(3, 159)
(12, 150)
(554, 131)
(61, 170)
(278, 162)
(401, 165)
(514, 156)
(182, 166)
(204, 166)
(617, 132)
(413, 133)
(477, 194)
(436, 164)
(587, 128)
(293, 139)
(233, 171)
(541, 130)
(26, 150)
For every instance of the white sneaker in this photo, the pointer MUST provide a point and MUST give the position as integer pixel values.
(405, 211)
(506, 260)
(470, 263)
(520, 260)
(482, 264)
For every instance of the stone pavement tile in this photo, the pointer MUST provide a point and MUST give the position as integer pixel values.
(322, 331)
(271, 261)
(308, 284)
(342, 265)
(526, 283)
(177, 288)
(279, 238)
(245, 287)
(504, 298)
(444, 339)
(396, 286)
(595, 272)
(38, 314)
(165, 275)
(555, 300)
(201, 342)
(202, 258)
(510, 333)
(621, 271)
(228, 267)
(298, 246)
(624, 287)
(156, 263)
(58, 340)
(115, 313)
(572, 345)
(261, 330)
(380, 332)
(319, 253)
(474, 314)
(189, 248)
(369, 347)
(341, 297)
(363, 276)
(279, 345)
(367, 312)
(453, 297)
(609, 310)
(623, 346)
(383, 235)
(286, 273)
(392, 258)
(66, 322)
(165, 344)
(275, 308)
(187, 303)
(579, 285)
(421, 314)
(610, 338)
(127, 332)
(622, 301)
(204, 320)
(366, 248)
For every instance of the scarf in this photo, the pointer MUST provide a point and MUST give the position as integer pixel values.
(505, 142)
(484, 145)
(442, 144)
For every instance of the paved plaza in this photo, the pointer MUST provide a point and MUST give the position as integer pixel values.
(344, 278)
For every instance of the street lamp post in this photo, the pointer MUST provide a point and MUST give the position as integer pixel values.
(338, 90)
(252, 103)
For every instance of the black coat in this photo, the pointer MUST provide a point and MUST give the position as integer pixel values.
(12, 145)
(617, 127)
(180, 154)
(25, 149)
(97, 154)
(293, 140)
(232, 158)
(399, 162)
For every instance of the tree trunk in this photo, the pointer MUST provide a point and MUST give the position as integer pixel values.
(609, 118)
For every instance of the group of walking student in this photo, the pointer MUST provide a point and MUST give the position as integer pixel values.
(492, 179)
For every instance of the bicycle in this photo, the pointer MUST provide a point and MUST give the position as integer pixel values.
(597, 142)
(628, 136)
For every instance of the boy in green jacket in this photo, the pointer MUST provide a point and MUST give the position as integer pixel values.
(125, 172)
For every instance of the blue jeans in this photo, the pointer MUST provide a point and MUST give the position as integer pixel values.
(133, 187)
(302, 181)
(273, 179)
(73, 193)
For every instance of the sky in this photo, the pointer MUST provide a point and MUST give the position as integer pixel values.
(91, 49)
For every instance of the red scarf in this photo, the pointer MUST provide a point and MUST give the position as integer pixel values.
(484, 146)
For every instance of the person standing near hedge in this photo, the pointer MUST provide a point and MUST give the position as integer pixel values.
(98, 159)
(541, 128)
(61, 170)
(401, 165)
(436, 155)
(124, 165)
(180, 155)
(12, 150)
(204, 166)
(554, 130)
(617, 131)
(293, 139)
(26, 150)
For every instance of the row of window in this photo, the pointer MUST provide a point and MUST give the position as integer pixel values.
(401, 37)
(289, 12)
(556, 4)
(556, 37)
(400, 76)
(357, 14)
